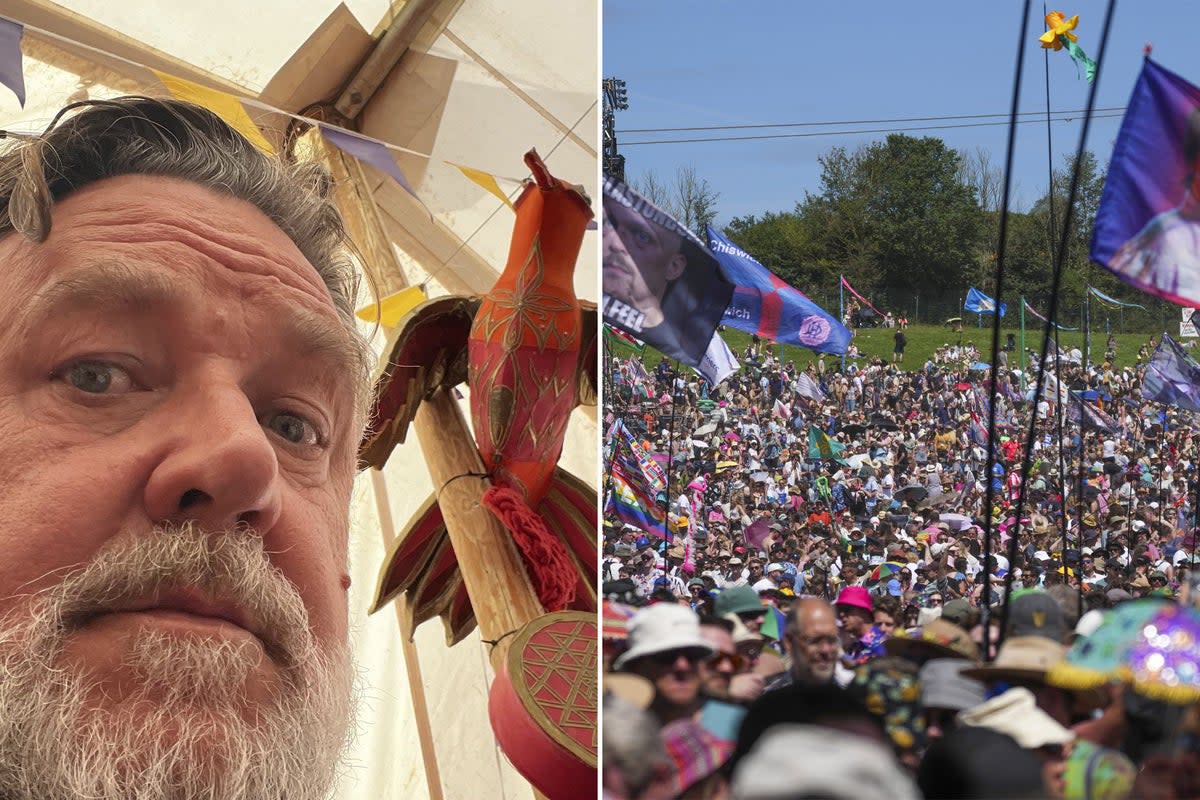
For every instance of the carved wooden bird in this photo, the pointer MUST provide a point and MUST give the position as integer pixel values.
(527, 351)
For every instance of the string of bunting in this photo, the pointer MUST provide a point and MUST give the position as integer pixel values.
(232, 109)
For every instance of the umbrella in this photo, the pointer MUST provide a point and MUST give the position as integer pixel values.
(773, 624)
(1097, 659)
(1164, 661)
(733, 437)
(705, 430)
(980, 366)
(722, 466)
(699, 443)
(885, 425)
(853, 429)
(916, 492)
(762, 476)
(884, 571)
(957, 522)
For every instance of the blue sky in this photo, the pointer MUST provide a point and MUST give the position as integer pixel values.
(704, 63)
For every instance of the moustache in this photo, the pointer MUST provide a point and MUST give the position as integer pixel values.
(182, 567)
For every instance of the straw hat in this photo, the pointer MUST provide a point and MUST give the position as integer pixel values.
(937, 639)
(1023, 658)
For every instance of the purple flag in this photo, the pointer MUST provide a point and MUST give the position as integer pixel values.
(1145, 230)
(756, 532)
(368, 151)
(11, 73)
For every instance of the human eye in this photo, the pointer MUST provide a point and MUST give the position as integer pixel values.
(296, 429)
(95, 376)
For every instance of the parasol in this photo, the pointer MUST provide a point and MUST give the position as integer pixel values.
(614, 618)
(706, 430)
(915, 492)
(884, 571)
(853, 429)
(723, 466)
(1099, 658)
(980, 366)
(773, 624)
(956, 522)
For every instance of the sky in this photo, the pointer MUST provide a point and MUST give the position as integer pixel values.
(703, 63)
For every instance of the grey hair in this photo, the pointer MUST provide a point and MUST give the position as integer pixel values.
(97, 139)
(633, 745)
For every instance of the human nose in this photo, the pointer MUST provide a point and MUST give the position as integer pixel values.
(218, 468)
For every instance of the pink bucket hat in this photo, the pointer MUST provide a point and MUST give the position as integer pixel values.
(856, 596)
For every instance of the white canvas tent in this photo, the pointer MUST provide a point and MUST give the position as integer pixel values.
(473, 82)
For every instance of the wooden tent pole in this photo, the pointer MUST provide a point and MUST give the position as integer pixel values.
(494, 574)
(412, 661)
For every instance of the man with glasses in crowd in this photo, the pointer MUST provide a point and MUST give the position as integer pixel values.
(811, 637)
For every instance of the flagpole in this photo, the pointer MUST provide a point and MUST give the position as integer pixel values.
(842, 311)
(1021, 361)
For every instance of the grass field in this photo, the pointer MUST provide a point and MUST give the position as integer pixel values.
(923, 340)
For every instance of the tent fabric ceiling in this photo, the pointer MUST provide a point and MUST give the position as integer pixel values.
(482, 83)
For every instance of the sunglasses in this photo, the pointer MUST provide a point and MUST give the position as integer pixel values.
(736, 662)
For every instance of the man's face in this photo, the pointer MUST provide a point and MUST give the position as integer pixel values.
(172, 358)
(640, 259)
(716, 672)
(674, 673)
(855, 621)
(885, 622)
(813, 643)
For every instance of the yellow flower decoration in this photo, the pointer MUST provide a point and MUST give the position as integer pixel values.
(902, 738)
(1059, 26)
(875, 704)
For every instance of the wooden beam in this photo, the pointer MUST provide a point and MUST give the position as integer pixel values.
(412, 661)
(501, 593)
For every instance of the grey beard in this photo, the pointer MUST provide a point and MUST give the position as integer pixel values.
(187, 731)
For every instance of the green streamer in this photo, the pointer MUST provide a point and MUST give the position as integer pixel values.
(1080, 58)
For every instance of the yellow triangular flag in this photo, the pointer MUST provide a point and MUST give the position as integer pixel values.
(391, 309)
(225, 106)
(484, 179)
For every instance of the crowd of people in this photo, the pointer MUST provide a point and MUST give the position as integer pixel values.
(818, 607)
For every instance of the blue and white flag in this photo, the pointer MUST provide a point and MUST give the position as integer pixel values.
(980, 303)
(762, 304)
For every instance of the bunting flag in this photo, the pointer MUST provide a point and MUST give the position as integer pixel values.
(392, 309)
(1172, 376)
(1146, 230)
(1111, 302)
(12, 68)
(624, 504)
(1061, 37)
(486, 180)
(980, 303)
(1029, 308)
(368, 151)
(821, 446)
(638, 370)
(866, 302)
(762, 304)
(225, 106)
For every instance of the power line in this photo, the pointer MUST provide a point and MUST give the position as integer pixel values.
(936, 118)
(853, 132)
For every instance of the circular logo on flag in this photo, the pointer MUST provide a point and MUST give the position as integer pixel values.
(814, 330)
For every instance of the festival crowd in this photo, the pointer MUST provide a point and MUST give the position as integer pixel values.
(796, 607)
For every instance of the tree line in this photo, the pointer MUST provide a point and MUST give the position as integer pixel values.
(908, 216)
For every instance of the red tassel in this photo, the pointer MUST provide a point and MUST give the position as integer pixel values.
(546, 560)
